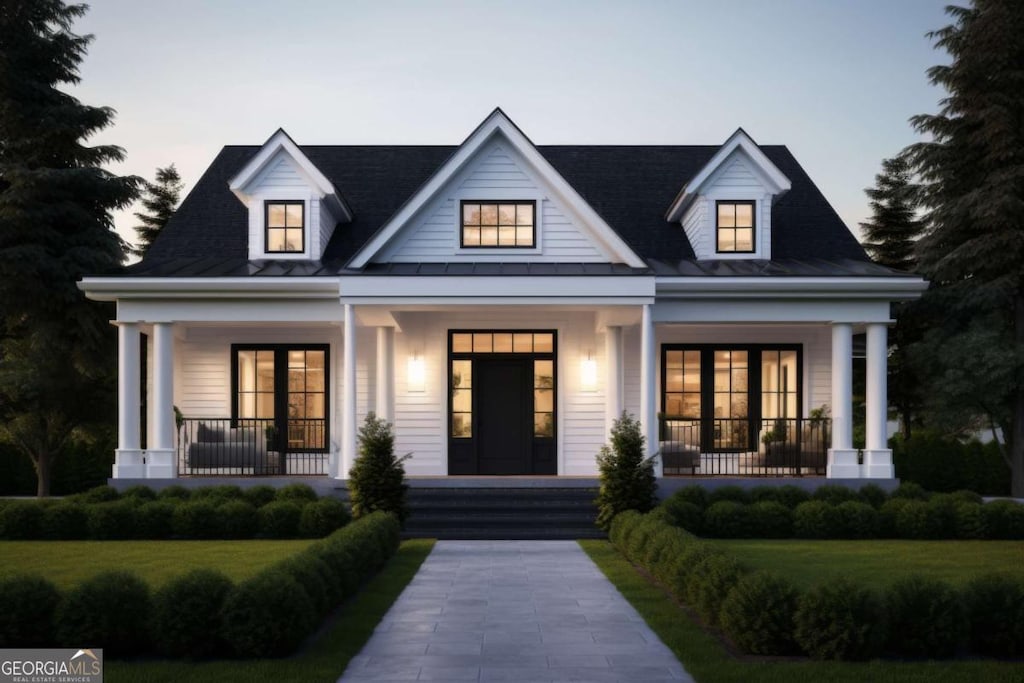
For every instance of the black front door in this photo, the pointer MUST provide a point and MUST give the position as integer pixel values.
(504, 415)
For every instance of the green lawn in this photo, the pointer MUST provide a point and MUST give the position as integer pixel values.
(707, 660)
(69, 562)
(809, 562)
(324, 660)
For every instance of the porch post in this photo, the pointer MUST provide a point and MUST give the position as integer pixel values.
(128, 461)
(877, 455)
(842, 458)
(348, 399)
(648, 418)
(385, 373)
(613, 381)
(160, 456)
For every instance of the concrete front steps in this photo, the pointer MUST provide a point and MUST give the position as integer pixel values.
(496, 512)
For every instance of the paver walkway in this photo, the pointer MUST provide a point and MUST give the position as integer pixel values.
(512, 611)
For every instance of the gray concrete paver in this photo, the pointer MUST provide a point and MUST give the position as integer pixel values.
(512, 611)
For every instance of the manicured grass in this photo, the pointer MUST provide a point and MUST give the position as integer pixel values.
(809, 562)
(69, 562)
(324, 660)
(707, 660)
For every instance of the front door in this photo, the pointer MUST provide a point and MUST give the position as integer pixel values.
(504, 417)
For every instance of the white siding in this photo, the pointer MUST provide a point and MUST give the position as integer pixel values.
(280, 173)
(695, 222)
(496, 173)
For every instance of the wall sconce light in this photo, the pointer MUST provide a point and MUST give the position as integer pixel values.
(417, 374)
(588, 373)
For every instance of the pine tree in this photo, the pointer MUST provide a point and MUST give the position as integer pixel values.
(56, 348)
(377, 478)
(973, 252)
(159, 199)
(627, 477)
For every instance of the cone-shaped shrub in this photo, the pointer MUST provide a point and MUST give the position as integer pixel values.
(627, 477)
(377, 478)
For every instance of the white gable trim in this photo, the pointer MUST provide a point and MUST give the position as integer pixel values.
(776, 180)
(498, 124)
(281, 143)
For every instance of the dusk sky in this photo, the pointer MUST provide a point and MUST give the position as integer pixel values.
(834, 80)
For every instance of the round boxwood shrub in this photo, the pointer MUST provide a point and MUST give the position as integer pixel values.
(308, 574)
(65, 521)
(965, 496)
(873, 494)
(187, 614)
(658, 545)
(970, 521)
(694, 493)
(681, 568)
(28, 605)
(994, 607)
(681, 513)
(840, 619)
(345, 576)
(909, 489)
(175, 491)
(640, 536)
(196, 519)
(138, 493)
(727, 519)
(830, 493)
(917, 519)
(791, 496)
(267, 615)
(857, 519)
(758, 614)
(279, 519)
(672, 542)
(770, 519)
(237, 519)
(943, 508)
(622, 524)
(296, 493)
(155, 519)
(21, 520)
(925, 617)
(816, 519)
(710, 582)
(112, 521)
(1004, 519)
(323, 517)
(218, 494)
(736, 494)
(99, 494)
(887, 515)
(111, 610)
(258, 496)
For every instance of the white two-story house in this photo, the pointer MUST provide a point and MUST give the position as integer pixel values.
(501, 303)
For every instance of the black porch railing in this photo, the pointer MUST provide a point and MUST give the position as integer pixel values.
(252, 447)
(773, 447)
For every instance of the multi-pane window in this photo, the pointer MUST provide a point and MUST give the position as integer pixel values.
(462, 399)
(543, 398)
(503, 342)
(285, 227)
(735, 227)
(730, 398)
(682, 383)
(498, 224)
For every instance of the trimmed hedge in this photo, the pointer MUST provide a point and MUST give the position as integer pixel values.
(29, 605)
(840, 620)
(111, 610)
(994, 609)
(187, 614)
(925, 618)
(758, 614)
(942, 464)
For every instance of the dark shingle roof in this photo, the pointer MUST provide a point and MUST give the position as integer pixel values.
(631, 187)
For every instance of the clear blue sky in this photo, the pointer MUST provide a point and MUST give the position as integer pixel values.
(835, 80)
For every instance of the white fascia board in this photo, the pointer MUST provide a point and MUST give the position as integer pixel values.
(536, 289)
(892, 288)
(771, 311)
(496, 123)
(779, 183)
(281, 141)
(115, 288)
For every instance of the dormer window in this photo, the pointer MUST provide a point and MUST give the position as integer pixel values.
(735, 227)
(286, 227)
(505, 224)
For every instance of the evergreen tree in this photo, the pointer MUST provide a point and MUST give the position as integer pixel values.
(159, 199)
(377, 478)
(627, 477)
(56, 348)
(891, 237)
(973, 251)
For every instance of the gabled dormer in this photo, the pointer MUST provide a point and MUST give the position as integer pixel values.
(293, 207)
(726, 208)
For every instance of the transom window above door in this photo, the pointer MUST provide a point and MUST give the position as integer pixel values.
(498, 224)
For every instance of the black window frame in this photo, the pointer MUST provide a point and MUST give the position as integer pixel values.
(266, 225)
(497, 202)
(281, 382)
(753, 226)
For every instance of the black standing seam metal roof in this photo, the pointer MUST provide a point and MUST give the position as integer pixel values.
(629, 186)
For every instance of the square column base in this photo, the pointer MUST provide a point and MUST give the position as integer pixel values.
(878, 464)
(842, 464)
(161, 464)
(129, 463)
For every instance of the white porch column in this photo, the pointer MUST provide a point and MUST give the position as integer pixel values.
(613, 381)
(128, 461)
(877, 455)
(648, 416)
(842, 458)
(348, 399)
(160, 456)
(385, 373)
